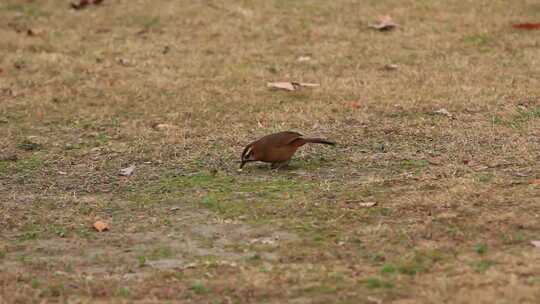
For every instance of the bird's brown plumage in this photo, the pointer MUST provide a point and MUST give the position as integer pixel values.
(277, 148)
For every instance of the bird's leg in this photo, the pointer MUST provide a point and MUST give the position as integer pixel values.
(280, 165)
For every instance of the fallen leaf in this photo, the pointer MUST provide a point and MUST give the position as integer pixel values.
(1, 71)
(281, 85)
(127, 171)
(19, 65)
(124, 62)
(536, 244)
(390, 67)
(353, 104)
(374, 300)
(264, 240)
(79, 4)
(163, 127)
(305, 84)
(356, 204)
(101, 226)
(527, 26)
(384, 23)
(33, 33)
(443, 112)
(535, 182)
(367, 204)
(303, 58)
(290, 85)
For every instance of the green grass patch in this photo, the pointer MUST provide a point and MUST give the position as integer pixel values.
(230, 195)
(480, 249)
(26, 9)
(377, 283)
(483, 265)
(199, 288)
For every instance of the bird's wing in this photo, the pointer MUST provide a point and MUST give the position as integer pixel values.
(288, 138)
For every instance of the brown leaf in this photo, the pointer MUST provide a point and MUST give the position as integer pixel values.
(390, 67)
(101, 226)
(127, 171)
(33, 33)
(306, 84)
(357, 204)
(384, 23)
(79, 4)
(281, 85)
(163, 126)
(367, 204)
(527, 26)
(535, 182)
(290, 85)
(353, 104)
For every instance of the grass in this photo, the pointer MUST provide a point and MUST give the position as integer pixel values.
(178, 89)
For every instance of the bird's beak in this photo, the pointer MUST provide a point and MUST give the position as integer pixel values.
(243, 163)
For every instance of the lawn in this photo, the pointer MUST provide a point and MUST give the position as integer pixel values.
(432, 194)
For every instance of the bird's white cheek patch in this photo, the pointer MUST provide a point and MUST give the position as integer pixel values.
(248, 152)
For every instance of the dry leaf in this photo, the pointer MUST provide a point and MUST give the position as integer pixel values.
(281, 85)
(101, 226)
(390, 67)
(367, 204)
(356, 204)
(535, 182)
(354, 104)
(304, 58)
(127, 171)
(444, 112)
(290, 85)
(78, 4)
(536, 244)
(306, 84)
(384, 23)
(124, 62)
(162, 127)
(527, 26)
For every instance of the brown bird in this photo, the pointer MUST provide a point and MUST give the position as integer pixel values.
(277, 148)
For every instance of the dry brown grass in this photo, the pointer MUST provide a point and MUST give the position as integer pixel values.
(178, 87)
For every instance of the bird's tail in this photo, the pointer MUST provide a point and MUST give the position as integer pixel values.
(318, 141)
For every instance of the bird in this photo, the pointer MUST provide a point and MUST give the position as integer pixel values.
(277, 148)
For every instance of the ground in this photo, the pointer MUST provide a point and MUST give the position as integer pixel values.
(177, 88)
